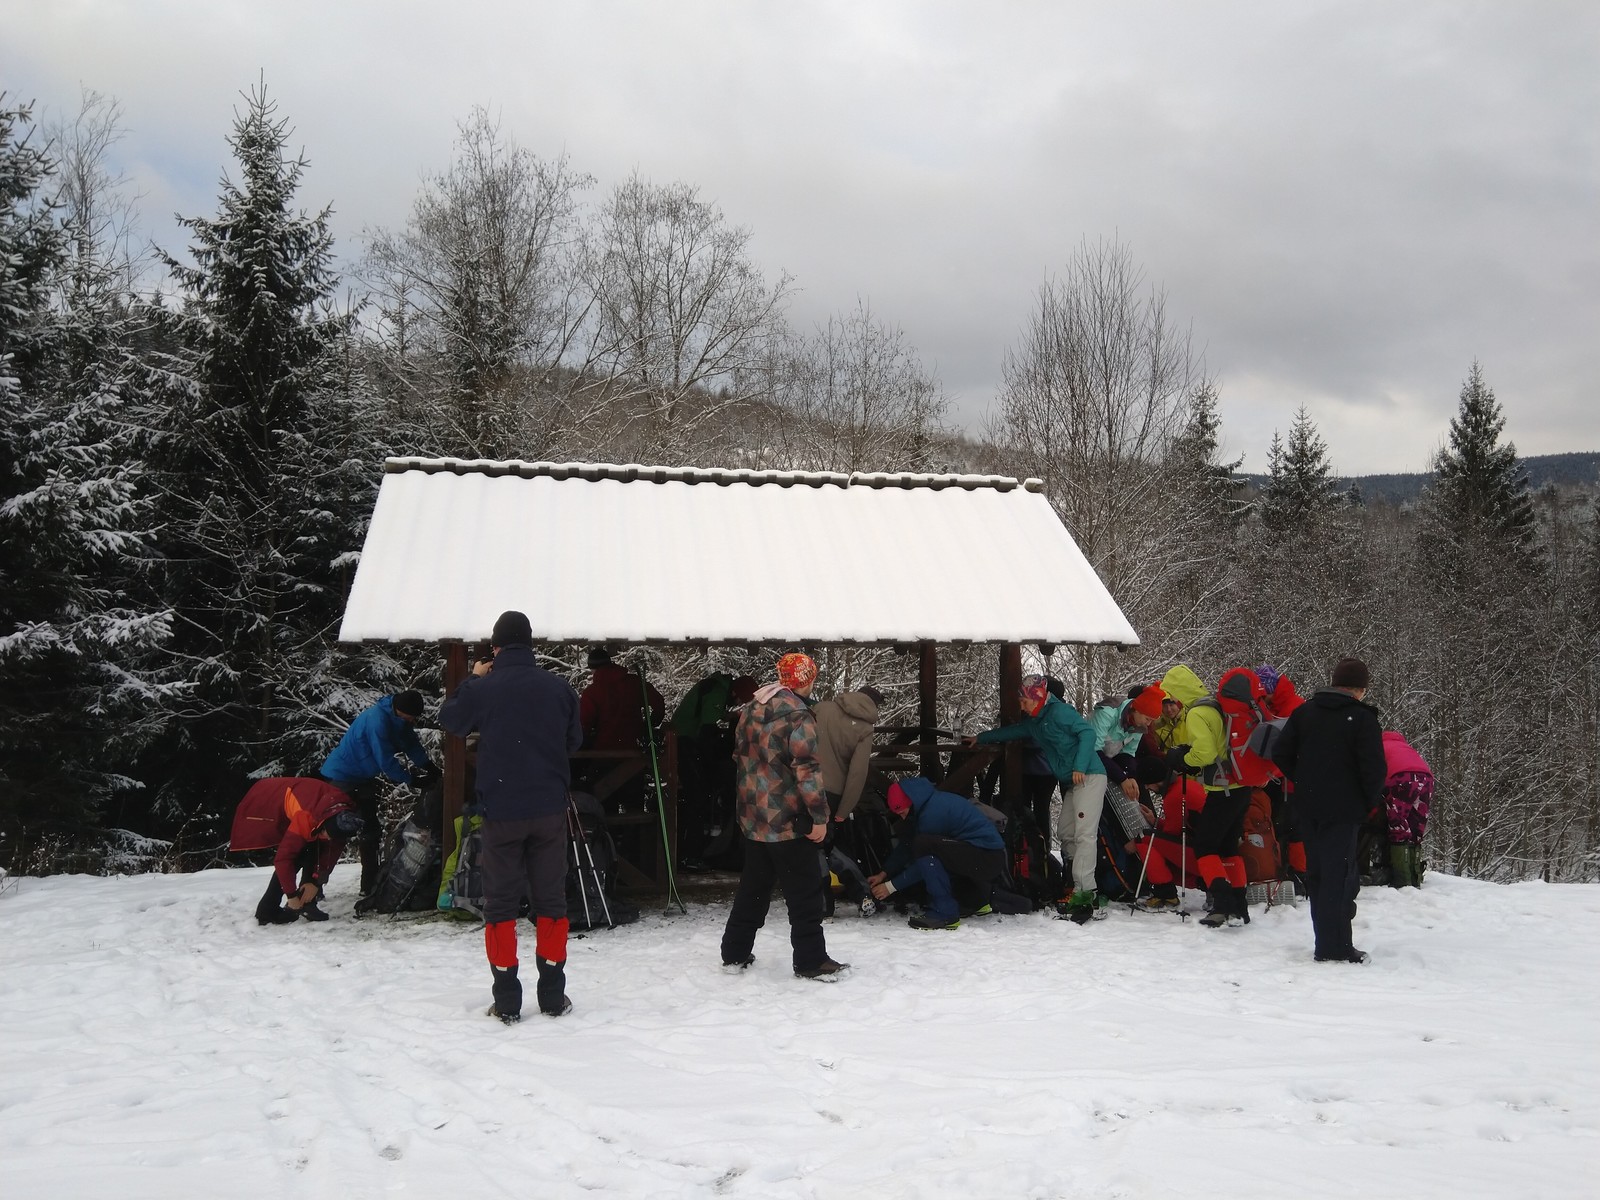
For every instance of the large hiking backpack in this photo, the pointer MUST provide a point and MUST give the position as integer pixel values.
(463, 873)
(1031, 870)
(1258, 845)
(409, 877)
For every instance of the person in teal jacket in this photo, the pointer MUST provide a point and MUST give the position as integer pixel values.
(1067, 742)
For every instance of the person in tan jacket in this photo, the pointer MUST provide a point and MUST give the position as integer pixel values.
(844, 744)
(845, 726)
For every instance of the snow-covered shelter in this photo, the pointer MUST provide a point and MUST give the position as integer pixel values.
(630, 554)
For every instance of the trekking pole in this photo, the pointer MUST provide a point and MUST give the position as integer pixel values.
(661, 799)
(575, 834)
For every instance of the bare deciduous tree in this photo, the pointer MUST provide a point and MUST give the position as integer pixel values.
(684, 317)
(478, 300)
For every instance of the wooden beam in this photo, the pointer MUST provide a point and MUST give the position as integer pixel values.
(1011, 712)
(455, 750)
(928, 709)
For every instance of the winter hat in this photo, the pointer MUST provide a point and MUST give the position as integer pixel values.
(744, 690)
(796, 670)
(1036, 690)
(899, 803)
(873, 694)
(1268, 675)
(1148, 702)
(1351, 673)
(343, 825)
(512, 629)
(599, 656)
(408, 703)
(1057, 688)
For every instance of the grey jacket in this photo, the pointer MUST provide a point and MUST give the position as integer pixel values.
(844, 744)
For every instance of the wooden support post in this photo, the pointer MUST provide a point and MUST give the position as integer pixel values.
(1010, 712)
(928, 709)
(455, 750)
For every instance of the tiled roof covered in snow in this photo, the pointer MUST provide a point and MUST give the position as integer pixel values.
(599, 553)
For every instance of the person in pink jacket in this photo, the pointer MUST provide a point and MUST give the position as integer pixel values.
(1407, 795)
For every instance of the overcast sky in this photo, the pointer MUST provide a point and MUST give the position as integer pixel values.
(1346, 202)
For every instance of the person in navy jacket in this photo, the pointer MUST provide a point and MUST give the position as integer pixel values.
(943, 835)
(370, 751)
(527, 724)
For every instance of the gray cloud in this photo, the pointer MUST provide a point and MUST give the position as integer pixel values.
(1348, 201)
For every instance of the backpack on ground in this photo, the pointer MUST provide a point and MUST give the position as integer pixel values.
(461, 889)
(1032, 872)
(408, 880)
(1258, 845)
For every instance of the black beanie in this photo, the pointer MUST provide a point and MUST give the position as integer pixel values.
(408, 703)
(512, 629)
(1351, 673)
(599, 656)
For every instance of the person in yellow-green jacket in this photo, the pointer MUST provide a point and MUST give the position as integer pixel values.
(1200, 748)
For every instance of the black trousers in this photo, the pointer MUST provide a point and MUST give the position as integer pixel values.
(1220, 825)
(524, 858)
(792, 865)
(364, 796)
(272, 899)
(1332, 882)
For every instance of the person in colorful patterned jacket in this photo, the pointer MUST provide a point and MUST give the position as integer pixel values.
(1407, 796)
(1067, 742)
(783, 815)
(309, 821)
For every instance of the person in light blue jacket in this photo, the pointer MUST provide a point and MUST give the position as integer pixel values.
(943, 835)
(1068, 744)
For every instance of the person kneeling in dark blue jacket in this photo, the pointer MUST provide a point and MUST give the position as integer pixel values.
(944, 835)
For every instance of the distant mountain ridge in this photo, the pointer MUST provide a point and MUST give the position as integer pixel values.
(1562, 470)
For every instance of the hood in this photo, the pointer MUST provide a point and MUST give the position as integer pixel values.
(1183, 685)
(918, 788)
(858, 705)
(775, 702)
(1239, 691)
(1284, 699)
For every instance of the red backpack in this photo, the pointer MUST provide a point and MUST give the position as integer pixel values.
(1259, 845)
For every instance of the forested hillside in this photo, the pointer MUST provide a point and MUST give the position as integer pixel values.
(191, 440)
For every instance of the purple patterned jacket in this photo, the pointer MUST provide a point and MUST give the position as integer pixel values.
(780, 776)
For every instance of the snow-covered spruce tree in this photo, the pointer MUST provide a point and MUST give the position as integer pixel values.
(1309, 596)
(268, 472)
(79, 692)
(1487, 588)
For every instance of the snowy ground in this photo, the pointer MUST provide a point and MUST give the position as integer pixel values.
(156, 1043)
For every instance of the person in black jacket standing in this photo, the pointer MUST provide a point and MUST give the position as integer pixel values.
(1331, 749)
(527, 725)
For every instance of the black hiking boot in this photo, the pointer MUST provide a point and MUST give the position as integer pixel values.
(1219, 904)
(827, 971)
(552, 988)
(1238, 908)
(312, 913)
(507, 993)
(929, 921)
(1350, 956)
(739, 965)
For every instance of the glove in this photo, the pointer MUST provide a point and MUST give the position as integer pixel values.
(422, 776)
(1176, 758)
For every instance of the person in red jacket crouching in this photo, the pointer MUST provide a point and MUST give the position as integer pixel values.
(309, 821)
